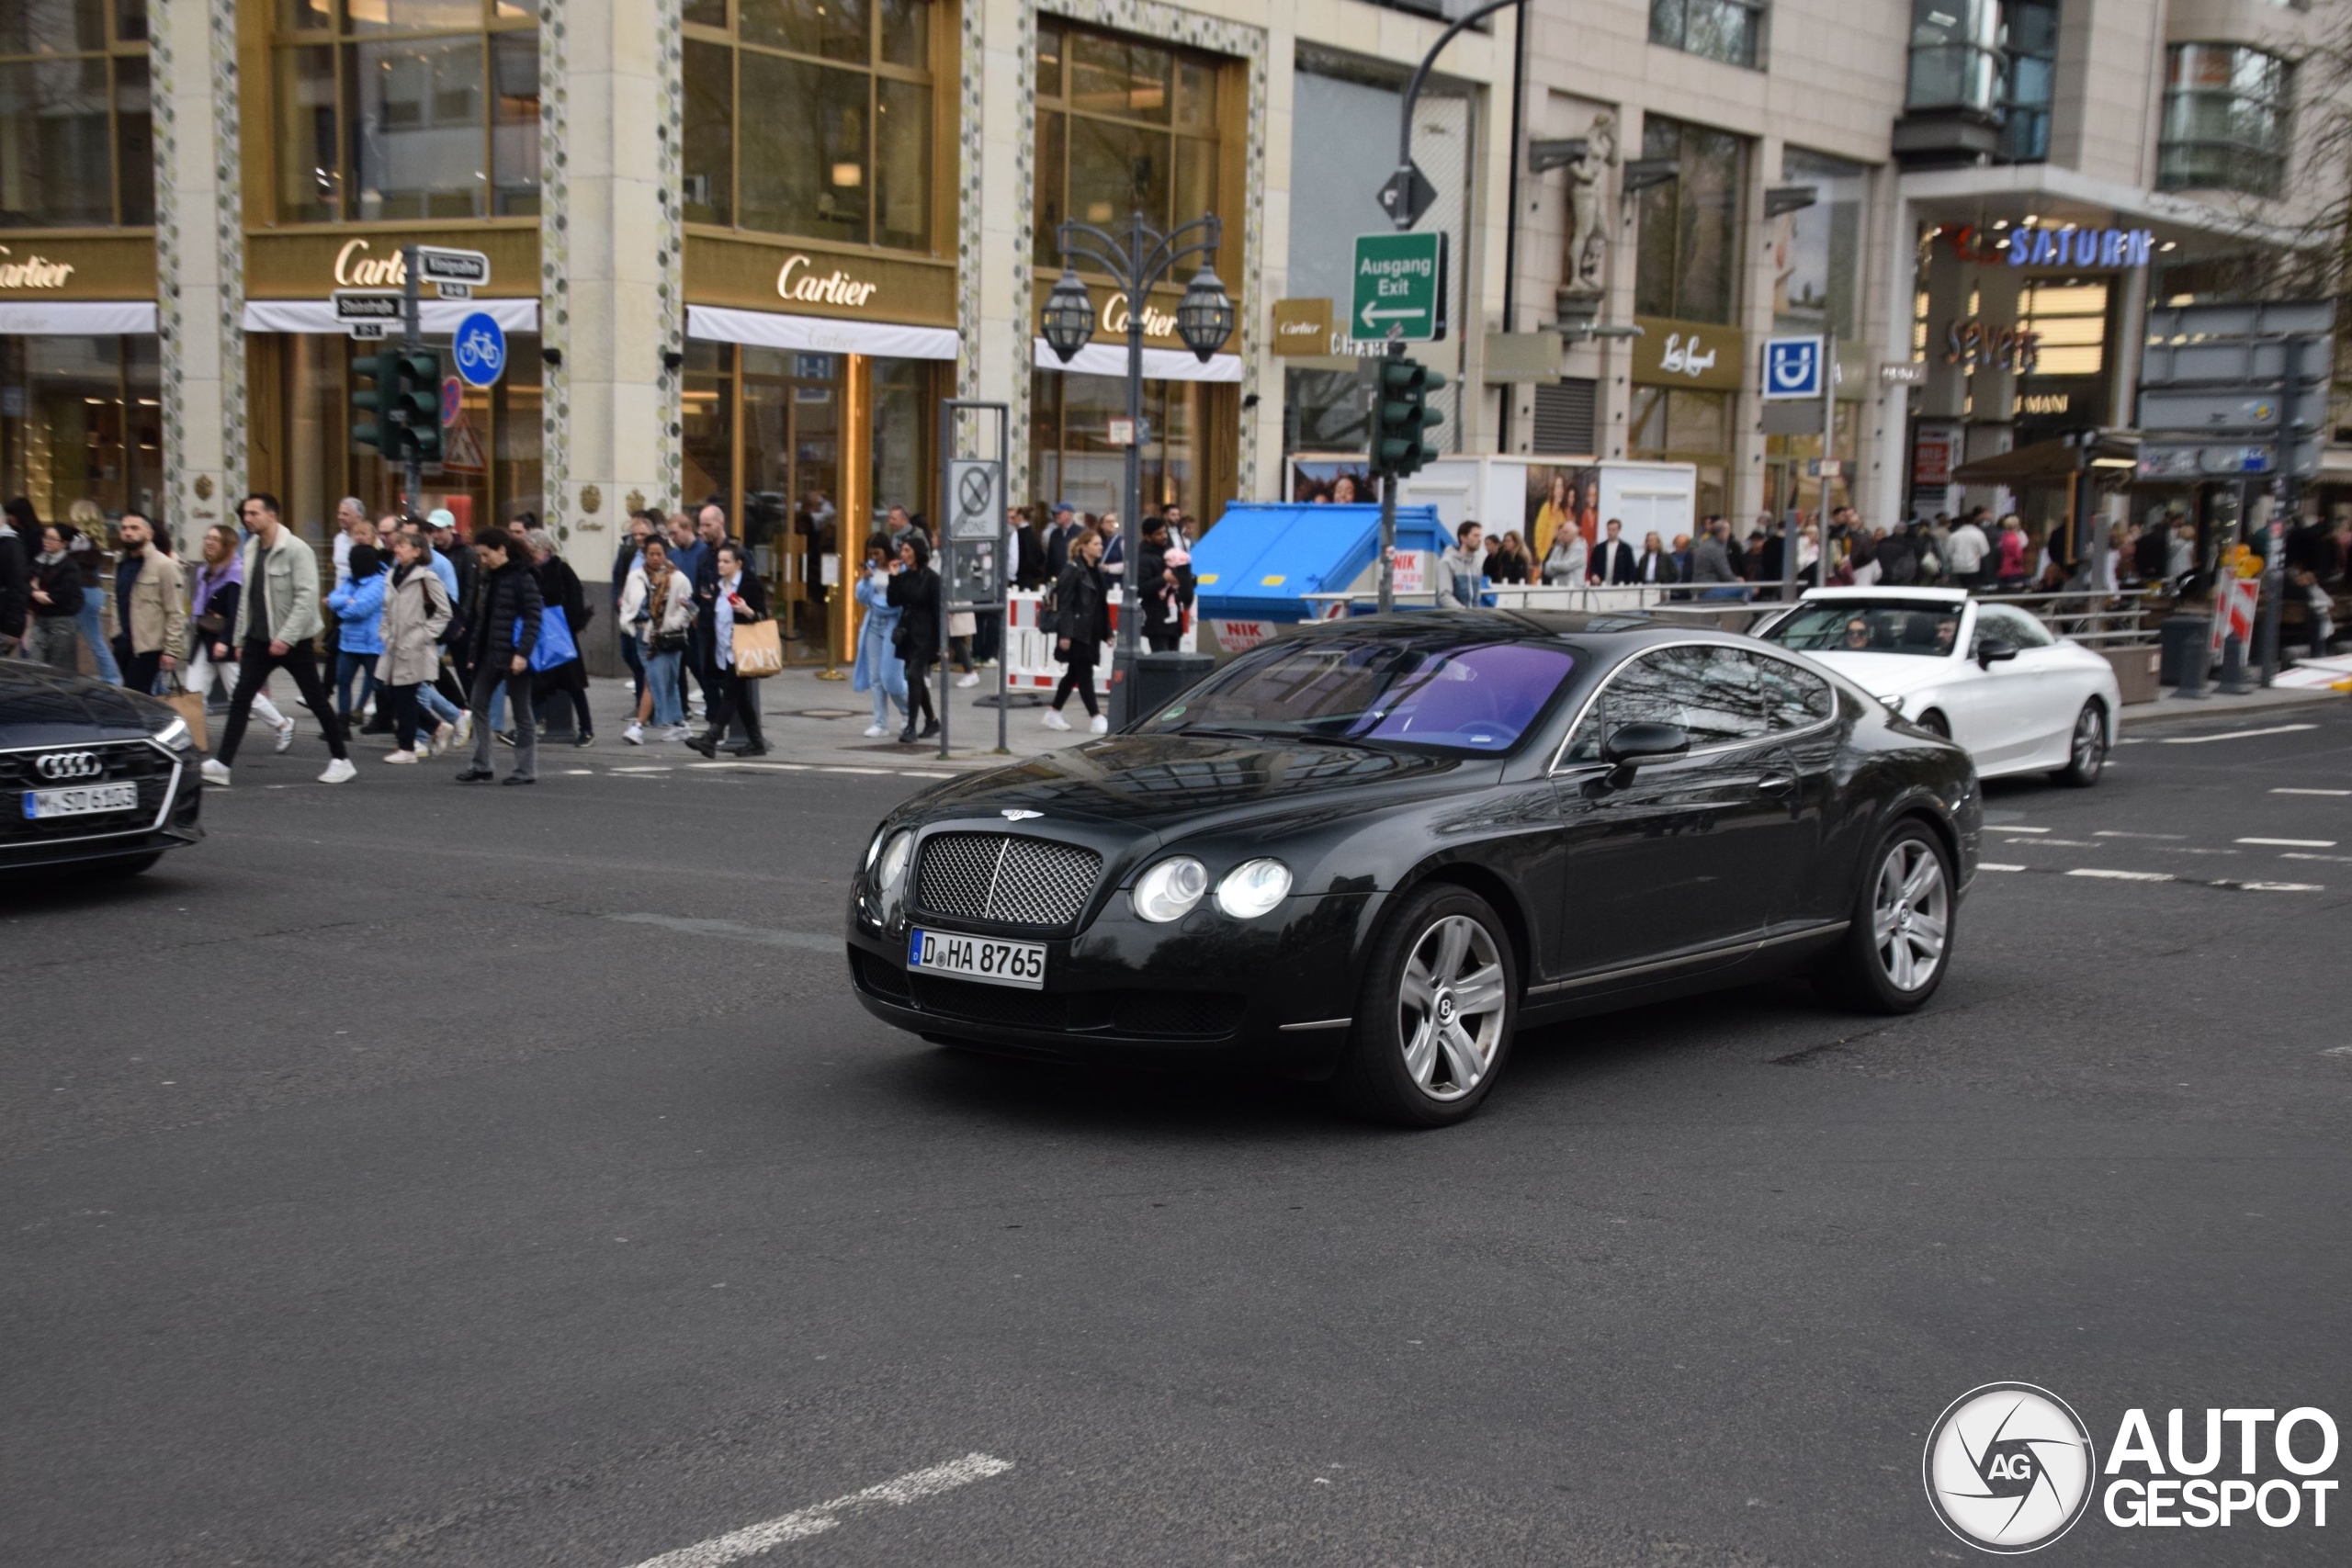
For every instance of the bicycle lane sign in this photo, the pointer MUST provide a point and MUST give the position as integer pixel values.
(481, 349)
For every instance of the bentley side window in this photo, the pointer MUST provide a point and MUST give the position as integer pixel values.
(1793, 698)
(1714, 694)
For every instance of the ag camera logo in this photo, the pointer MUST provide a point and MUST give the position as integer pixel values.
(2008, 1467)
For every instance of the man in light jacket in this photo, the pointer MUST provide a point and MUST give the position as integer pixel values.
(277, 616)
(1710, 562)
(152, 610)
(1461, 570)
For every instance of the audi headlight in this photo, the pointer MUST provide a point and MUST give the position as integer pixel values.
(892, 868)
(1169, 890)
(1253, 888)
(176, 735)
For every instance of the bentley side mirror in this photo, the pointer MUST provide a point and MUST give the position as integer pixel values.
(1991, 650)
(1631, 745)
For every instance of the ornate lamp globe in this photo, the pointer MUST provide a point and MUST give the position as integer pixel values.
(1205, 319)
(1069, 319)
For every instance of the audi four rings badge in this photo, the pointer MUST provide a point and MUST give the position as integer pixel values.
(71, 765)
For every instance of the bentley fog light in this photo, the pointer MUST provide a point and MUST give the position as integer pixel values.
(1253, 888)
(1169, 890)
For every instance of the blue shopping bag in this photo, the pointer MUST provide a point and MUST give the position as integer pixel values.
(555, 644)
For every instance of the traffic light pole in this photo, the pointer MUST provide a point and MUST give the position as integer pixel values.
(1387, 503)
(412, 342)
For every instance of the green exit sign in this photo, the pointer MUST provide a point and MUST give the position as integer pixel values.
(1399, 287)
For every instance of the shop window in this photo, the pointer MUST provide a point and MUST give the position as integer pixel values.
(76, 130)
(1123, 125)
(81, 419)
(1955, 56)
(1071, 457)
(2225, 119)
(1686, 264)
(390, 109)
(2029, 77)
(1728, 30)
(1685, 425)
(2067, 322)
(812, 119)
(1817, 252)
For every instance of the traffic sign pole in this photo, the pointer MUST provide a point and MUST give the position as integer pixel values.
(412, 342)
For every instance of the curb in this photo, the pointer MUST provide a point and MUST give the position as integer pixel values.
(2228, 707)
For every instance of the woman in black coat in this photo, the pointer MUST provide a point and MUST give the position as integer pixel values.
(560, 588)
(743, 599)
(914, 593)
(1082, 625)
(502, 627)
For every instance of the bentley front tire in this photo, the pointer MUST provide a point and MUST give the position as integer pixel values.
(1898, 943)
(1436, 1014)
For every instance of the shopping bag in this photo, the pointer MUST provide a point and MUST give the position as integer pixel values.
(555, 644)
(759, 650)
(188, 704)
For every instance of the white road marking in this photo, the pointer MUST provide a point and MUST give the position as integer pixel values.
(2012, 828)
(2123, 875)
(2050, 843)
(808, 940)
(877, 773)
(799, 1525)
(2116, 833)
(2290, 843)
(2312, 792)
(1990, 865)
(2235, 734)
(2276, 886)
(915, 774)
(2332, 860)
(660, 769)
(771, 767)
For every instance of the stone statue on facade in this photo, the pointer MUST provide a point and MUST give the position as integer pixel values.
(1588, 231)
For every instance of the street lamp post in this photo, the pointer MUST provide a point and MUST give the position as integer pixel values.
(1137, 256)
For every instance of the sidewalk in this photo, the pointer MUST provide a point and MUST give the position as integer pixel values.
(811, 720)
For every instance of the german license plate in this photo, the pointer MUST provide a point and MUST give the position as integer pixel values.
(980, 958)
(82, 800)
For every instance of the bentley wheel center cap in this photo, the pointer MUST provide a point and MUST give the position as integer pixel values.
(1445, 1007)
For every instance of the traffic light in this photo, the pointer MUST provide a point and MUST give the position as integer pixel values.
(419, 409)
(382, 432)
(1400, 415)
(405, 398)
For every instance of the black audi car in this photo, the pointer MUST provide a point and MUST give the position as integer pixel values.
(92, 778)
(1370, 852)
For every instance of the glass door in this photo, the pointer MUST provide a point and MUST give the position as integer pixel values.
(791, 473)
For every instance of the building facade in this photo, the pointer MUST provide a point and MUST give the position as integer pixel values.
(1977, 199)
(739, 249)
(742, 249)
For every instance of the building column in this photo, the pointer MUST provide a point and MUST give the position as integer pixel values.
(612, 312)
(200, 263)
(995, 178)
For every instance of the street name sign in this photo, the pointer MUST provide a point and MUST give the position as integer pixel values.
(442, 265)
(368, 312)
(1399, 290)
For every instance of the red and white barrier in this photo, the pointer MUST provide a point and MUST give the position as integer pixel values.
(1028, 650)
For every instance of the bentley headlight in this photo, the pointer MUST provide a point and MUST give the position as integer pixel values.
(1253, 888)
(176, 735)
(1169, 890)
(875, 847)
(892, 868)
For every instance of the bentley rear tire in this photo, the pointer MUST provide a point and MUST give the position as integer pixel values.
(1897, 948)
(1436, 1014)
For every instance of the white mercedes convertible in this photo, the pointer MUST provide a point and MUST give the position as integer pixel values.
(1989, 676)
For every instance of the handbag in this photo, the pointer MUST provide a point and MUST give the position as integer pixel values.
(759, 650)
(555, 644)
(188, 704)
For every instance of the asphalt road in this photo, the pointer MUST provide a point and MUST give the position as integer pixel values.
(419, 1175)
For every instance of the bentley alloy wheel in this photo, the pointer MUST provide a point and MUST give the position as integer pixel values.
(1450, 1007)
(1910, 914)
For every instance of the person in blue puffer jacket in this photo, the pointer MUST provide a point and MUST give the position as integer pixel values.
(358, 604)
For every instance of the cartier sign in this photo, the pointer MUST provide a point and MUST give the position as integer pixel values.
(1156, 324)
(354, 268)
(797, 280)
(34, 271)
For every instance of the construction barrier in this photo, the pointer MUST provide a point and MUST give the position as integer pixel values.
(1028, 650)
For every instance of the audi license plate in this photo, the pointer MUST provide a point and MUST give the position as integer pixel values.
(979, 958)
(83, 800)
